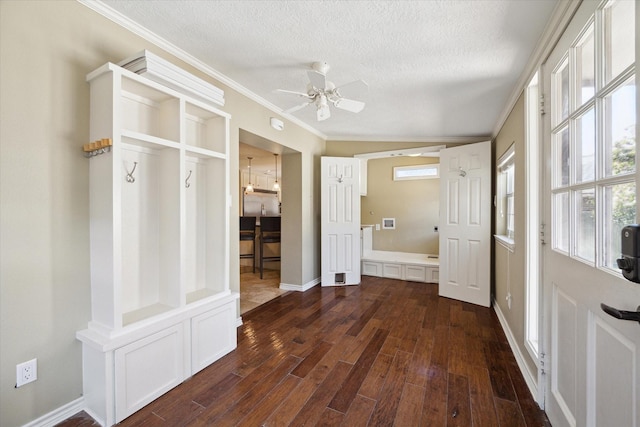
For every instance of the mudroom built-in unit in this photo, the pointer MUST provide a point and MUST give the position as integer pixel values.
(161, 306)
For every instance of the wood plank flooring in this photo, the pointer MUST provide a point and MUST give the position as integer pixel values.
(385, 353)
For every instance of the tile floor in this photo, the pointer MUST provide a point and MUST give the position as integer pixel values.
(254, 291)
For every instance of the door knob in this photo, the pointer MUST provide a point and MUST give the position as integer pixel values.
(621, 314)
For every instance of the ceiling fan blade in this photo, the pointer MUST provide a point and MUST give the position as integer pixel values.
(354, 90)
(323, 112)
(318, 80)
(349, 105)
(293, 92)
(296, 108)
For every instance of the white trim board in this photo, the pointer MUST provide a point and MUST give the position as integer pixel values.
(300, 288)
(529, 377)
(60, 414)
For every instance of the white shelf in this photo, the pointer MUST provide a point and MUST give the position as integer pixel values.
(144, 313)
(199, 295)
(205, 128)
(137, 138)
(203, 153)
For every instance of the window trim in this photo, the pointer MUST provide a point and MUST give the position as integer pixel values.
(506, 162)
(397, 170)
(605, 86)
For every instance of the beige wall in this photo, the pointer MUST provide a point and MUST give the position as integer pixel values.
(510, 266)
(414, 204)
(46, 50)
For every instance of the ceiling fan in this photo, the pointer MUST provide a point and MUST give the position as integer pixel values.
(320, 92)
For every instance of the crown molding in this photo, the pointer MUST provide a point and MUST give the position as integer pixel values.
(130, 25)
(560, 18)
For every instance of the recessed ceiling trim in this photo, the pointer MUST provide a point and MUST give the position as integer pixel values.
(432, 151)
(429, 140)
(134, 27)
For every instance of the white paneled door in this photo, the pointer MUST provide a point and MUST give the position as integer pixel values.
(592, 360)
(465, 223)
(340, 221)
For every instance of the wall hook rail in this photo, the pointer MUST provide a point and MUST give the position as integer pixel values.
(130, 178)
(96, 148)
(187, 184)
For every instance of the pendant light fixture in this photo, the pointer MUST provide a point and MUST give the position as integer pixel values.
(276, 185)
(249, 188)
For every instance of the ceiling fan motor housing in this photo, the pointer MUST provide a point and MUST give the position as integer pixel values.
(321, 67)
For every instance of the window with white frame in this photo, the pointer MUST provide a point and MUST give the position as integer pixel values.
(506, 193)
(403, 173)
(593, 115)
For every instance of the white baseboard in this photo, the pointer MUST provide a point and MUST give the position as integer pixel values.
(300, 288)
(529, 377)
(58, 415)
(239, 321)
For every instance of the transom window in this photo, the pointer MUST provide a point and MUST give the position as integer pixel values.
(593, 116)
(403, 173)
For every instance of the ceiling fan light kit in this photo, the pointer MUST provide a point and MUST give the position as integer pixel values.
(249, 187)
(276, 185)
(322, 92)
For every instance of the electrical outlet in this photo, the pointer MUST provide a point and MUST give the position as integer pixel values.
(26, 372)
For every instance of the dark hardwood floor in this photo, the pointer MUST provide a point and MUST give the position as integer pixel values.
(384, 353)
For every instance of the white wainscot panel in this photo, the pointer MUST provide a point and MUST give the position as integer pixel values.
(612, 392)
(473, 264)
(333, 203)
(333, 252)
(453, 254)
(564, 319)
(392, 270)
(348, 203)
(416, 273)
(370, 268)
(475, 206)
(147, 369)
(474, 162)
(349, 240)
(433, 275)
(213, 336)
(454, 164)
(453, 208)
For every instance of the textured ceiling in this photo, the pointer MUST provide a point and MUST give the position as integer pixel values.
(435, 69)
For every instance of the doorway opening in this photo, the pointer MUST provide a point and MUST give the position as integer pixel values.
(262, 192)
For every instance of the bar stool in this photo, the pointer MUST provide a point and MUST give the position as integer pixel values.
(248, 233)
(269, 233)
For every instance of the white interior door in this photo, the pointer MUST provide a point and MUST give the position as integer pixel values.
(340, 222)
(465, 223)
(592, 360)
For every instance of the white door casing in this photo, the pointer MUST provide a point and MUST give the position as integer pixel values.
(465, 223)
(591, 359)
(340, 221)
